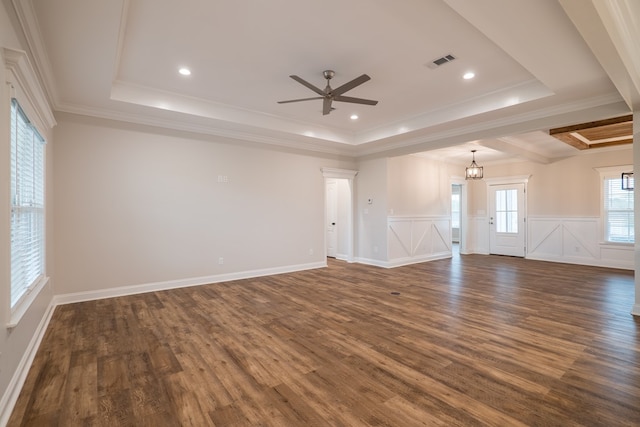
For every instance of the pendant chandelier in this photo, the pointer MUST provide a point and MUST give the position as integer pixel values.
(473, 171)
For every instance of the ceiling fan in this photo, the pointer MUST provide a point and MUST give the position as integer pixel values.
(329, 95)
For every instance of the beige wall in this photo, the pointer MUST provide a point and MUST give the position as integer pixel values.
(419, 186)
(137, 207)
(568, 187)
(371, 218)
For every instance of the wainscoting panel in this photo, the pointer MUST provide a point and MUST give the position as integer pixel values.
(417, 239)
(575, 241)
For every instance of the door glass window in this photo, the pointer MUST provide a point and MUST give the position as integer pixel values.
(507, 211)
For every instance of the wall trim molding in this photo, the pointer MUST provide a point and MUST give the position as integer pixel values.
(372, 262)
(581, 261)
(575, 240)
(23, 79)
(180, 283)
(417, 238)
(399, 262)
(8, 401)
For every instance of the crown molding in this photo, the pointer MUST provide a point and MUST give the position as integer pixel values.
(31, 30)
(598, 106)
(23, 79)
(424, 139)
(261, 136)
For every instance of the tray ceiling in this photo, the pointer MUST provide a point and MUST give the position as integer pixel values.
(120, 59)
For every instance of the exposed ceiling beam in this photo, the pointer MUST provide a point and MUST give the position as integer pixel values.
(597, 134)
(611, 34)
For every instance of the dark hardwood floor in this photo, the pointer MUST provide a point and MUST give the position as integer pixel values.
(473, 340)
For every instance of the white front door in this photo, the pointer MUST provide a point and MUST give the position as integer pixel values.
(332, 215)
(507, 219)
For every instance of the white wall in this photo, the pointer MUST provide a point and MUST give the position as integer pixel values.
(135, 207)
(419, 186)
(371, 218)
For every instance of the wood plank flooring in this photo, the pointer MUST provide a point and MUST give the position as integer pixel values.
(473, 340)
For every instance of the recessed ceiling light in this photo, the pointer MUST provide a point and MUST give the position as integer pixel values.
(184, 71)
(469, 75)
(354, 117)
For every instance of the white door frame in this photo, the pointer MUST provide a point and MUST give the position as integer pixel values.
(521, 179)
(349, 175)
(464, 221)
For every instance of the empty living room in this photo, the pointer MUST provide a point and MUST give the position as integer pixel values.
(415, 213)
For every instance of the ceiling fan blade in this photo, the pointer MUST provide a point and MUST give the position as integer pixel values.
(355, 100)
(309, 85)
(298, 100)
(326, 106)
(350, 85)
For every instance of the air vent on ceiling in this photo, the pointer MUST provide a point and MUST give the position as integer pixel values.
(440, 61)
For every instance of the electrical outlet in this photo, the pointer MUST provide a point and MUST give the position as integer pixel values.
(310, 251)
(220, 261)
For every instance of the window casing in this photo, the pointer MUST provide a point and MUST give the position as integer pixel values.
(618, 212)
(27, 206)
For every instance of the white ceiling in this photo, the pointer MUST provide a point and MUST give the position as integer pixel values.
(120, 58)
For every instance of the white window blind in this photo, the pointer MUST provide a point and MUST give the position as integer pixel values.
(27, 205)
(618, 211)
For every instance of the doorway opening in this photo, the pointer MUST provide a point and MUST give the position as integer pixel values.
(338, 224)
(459, 218)
(456, 220)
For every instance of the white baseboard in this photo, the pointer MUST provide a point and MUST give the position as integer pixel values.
(373, 262)
(607, 263)
(182, 283)
(20, 375)
(399, 262)
(416, 260)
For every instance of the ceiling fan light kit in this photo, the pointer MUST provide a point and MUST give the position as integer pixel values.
(328, 95)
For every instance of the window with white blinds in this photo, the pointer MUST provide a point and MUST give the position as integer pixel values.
(27, 205)
(618, 211)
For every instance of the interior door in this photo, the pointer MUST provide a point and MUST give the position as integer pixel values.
(332, 215)
(507, 219)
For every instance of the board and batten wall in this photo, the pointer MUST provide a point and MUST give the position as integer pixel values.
(404, 206)
(563, 207)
